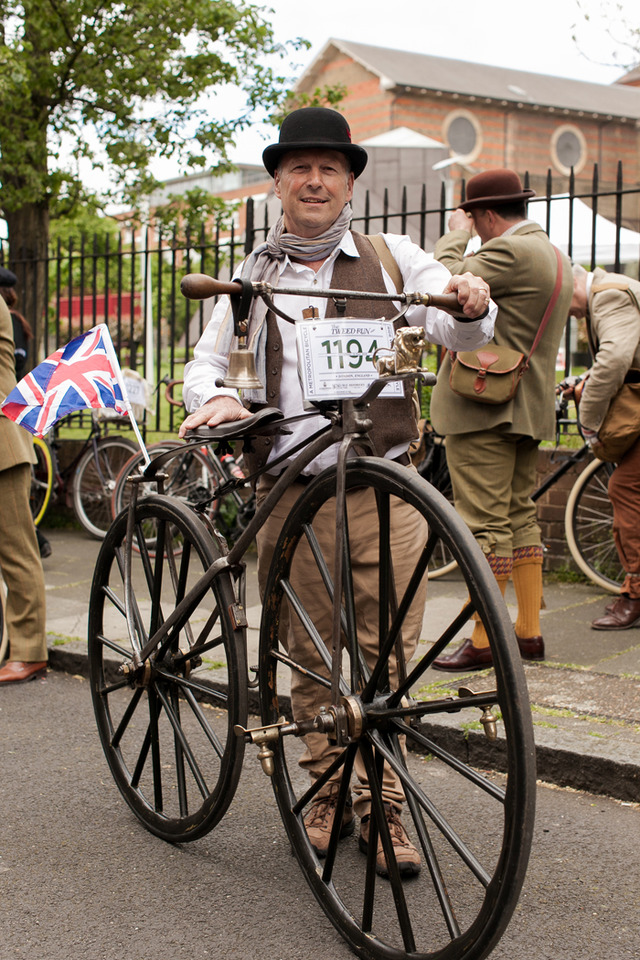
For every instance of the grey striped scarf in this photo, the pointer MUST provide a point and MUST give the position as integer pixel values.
(262, 265)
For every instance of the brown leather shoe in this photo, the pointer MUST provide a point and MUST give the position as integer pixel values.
(466, 657)
(407, 857)
(531, 648)
(14, 671)
(319, 821)
(623, 613)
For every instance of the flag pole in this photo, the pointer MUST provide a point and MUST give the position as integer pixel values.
(116, 366)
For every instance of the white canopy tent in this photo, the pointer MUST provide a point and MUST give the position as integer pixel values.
(577, 215)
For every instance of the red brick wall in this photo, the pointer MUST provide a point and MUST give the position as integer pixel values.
(551, 508)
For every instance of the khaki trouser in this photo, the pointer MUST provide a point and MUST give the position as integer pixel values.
(21, 568)
(493, 475)
(407, 540)
(624, 493)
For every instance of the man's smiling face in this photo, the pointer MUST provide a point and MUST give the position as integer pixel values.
(313, 186)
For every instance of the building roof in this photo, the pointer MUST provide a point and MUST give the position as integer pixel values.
(421, 73)
(402, 137)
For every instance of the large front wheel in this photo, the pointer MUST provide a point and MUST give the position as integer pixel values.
(387, 727)
(166, 718)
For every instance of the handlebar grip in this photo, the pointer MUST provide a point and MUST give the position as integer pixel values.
(198, 286)
(445, 301)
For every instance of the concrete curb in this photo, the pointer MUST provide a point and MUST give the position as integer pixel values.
(568, 752)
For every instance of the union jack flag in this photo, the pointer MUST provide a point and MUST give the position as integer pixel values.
(83, 374)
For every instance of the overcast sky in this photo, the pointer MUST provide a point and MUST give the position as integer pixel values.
(534, 36)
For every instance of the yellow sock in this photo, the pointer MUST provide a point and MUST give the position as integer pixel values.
(527, 582)
(479, 637)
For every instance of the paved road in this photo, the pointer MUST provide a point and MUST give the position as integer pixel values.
(80, 879)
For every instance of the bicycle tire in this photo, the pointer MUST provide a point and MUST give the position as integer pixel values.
(175, 761)
(41, 480)
(456, 907)
(588, 523)
(435, 471)
(190, 477)
(94, 482)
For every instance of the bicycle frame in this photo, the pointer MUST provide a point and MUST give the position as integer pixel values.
(348, 425)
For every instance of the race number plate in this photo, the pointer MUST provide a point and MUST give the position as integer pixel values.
(335, 357)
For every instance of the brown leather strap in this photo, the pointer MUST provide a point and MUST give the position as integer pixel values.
(552, 302)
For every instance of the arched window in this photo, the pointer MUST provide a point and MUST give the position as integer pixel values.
(463, 134)
(568, 149)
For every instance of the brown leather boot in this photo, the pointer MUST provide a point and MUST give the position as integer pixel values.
(14, 671)
(531, 648)
(466, 657)
(319, 821)
(623, 613)
(407, 857)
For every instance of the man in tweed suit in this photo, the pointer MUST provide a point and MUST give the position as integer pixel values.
(19, 555)
(610, 304)
(492, 450)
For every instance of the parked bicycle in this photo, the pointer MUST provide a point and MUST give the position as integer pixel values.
(167, 638)
(212, 480)
(87, 482)
(588, 518)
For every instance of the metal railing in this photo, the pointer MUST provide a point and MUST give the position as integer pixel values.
(132, 280)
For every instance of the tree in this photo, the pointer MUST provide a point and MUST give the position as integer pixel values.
(123, 82)
(608, 33)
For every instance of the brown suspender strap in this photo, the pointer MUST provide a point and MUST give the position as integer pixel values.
(386, 259)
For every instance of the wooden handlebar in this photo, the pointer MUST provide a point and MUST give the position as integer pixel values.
(198, 286)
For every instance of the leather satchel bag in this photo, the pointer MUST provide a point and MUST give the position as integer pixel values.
(492, 373)
(488, 375)
(621, 427)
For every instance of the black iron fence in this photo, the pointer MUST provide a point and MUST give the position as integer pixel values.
(131, 280)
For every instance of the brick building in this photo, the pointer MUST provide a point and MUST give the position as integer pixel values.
(492, 116)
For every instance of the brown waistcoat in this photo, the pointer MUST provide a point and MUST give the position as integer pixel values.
(394, 420)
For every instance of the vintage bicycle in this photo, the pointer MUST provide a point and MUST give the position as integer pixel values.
(588, 515)
(195, 476)
(170, 681)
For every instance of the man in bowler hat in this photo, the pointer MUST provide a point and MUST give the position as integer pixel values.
(492, 450)
(314, 165)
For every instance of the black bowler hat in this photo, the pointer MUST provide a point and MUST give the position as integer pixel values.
(315, 128)
(7, 278)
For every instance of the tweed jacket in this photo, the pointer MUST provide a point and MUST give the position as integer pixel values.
(16, 444)
(613, 328)
(521, 271)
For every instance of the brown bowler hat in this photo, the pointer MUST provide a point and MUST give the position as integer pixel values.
(494, 187)
(315, 128)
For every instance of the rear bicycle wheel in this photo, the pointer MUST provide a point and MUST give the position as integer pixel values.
(435, 470)
(190, 477)
(167, 725)
(473, 828)
(41, 480)
(588, 525)
(94, 482)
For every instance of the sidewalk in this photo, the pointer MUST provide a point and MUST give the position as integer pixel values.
(585, 696)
